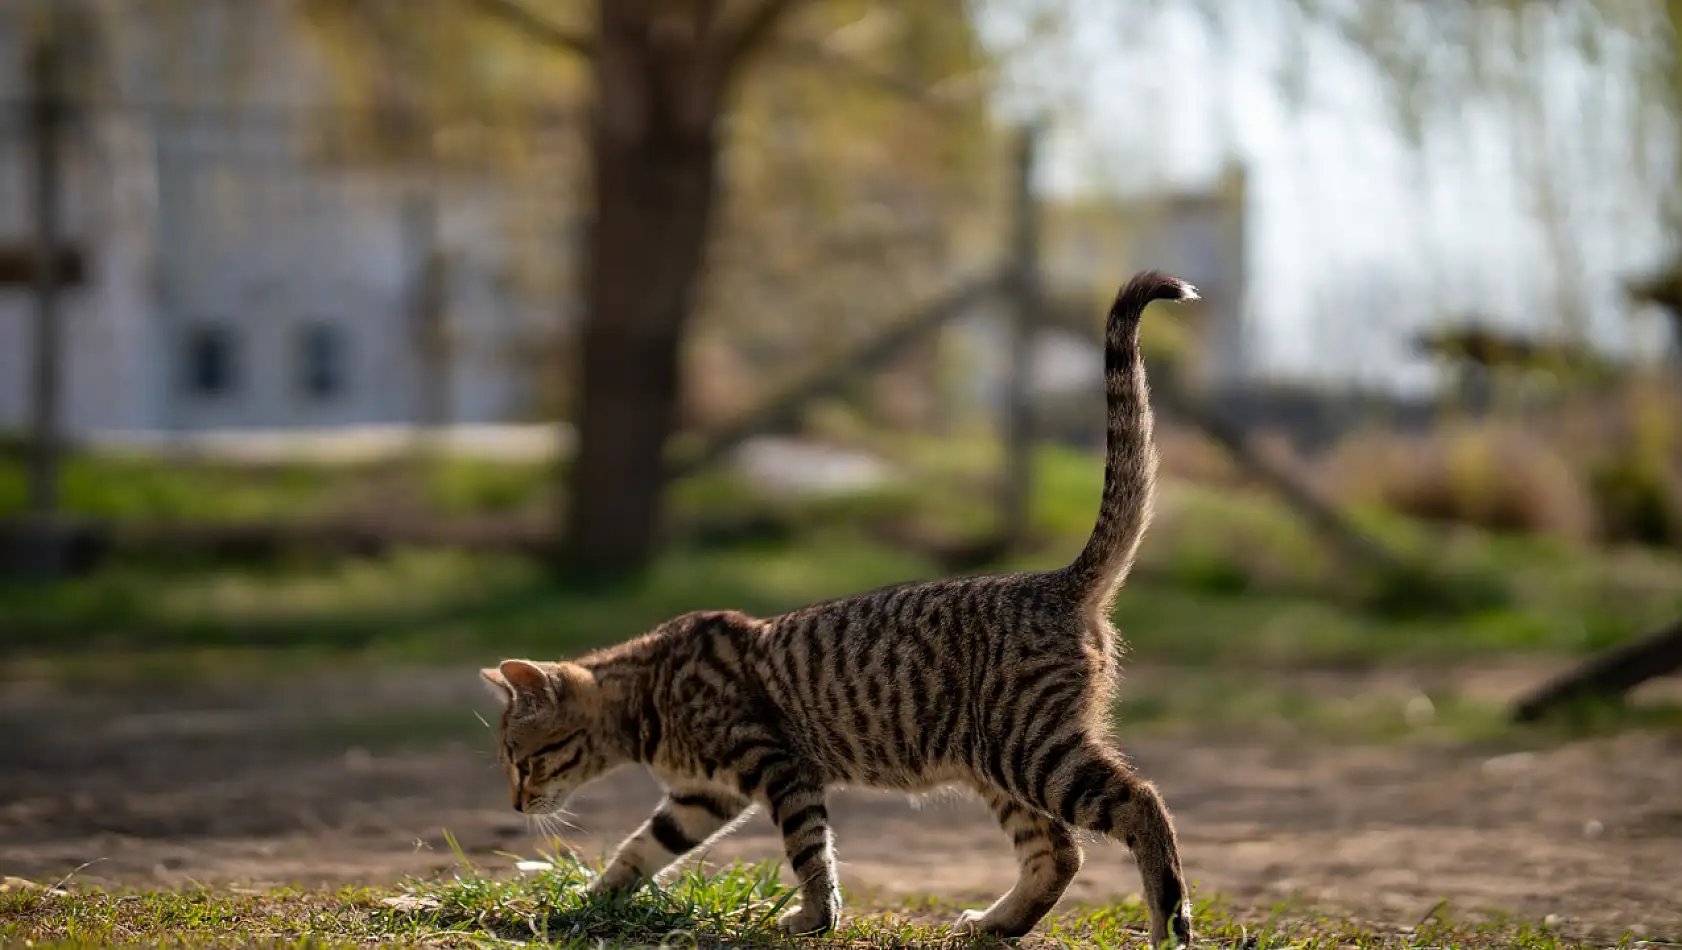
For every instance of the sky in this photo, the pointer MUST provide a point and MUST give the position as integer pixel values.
(1357, 238)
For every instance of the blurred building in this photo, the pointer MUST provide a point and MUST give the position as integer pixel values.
(1089, 247)
(240, 275)
(1198, 235)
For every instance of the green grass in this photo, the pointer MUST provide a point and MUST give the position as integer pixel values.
(433, 605)
(129, 486)
(1231, 702)
(735, 907)
(418, 605)
(139, 488)
(442, 605)
(1226, 579)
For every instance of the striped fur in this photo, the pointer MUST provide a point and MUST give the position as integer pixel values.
(1000, 683)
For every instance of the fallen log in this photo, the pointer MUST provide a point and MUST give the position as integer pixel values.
(1613, 672)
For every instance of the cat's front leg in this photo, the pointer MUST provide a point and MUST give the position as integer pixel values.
(684, 820)
(797, 806)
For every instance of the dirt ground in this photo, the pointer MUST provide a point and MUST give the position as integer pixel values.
(328, 782)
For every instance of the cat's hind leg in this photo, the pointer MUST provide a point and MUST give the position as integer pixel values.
(1048, 859)
(1092, 788)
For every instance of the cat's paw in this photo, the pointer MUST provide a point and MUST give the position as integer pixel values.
(610, 884)
(969, 923)
(806, 919)
(1179, 926)
(989, 923)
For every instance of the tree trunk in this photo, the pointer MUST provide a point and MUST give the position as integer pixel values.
(655, 162)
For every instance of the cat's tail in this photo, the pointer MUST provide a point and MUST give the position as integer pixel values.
(1131, 462)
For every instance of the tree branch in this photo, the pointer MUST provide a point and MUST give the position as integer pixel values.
(830, 378)
(515, 13)
(751, 31)
(814, 52)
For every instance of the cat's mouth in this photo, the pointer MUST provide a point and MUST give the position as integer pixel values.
(540, 805)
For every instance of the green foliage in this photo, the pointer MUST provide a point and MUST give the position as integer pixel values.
(140, 488)
(1210, 572)
(1226, 577)
(1421, 591)
(418, 604)
(457, 485)
(1639, 499)
(412, 71)
(441, 605)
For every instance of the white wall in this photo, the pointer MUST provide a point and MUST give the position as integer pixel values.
(230, 221)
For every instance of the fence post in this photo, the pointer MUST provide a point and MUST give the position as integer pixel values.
(1026, 308)
(429, 320)
(45, 556)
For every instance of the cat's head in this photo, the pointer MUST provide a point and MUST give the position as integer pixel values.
(549, 736)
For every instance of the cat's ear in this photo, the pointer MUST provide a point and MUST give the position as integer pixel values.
(530, 683)
(498, 685)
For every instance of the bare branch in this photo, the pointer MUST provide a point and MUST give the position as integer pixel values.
(538, 27)
(750, 32)
(831, 377)
(815, 52)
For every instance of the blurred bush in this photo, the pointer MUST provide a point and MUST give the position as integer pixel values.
(1487, 474)
(1604, 467)
(1639, 501)
(1636, 476)
(459, 485)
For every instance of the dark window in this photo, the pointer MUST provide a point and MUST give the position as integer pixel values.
(209, 360)
(321, 361)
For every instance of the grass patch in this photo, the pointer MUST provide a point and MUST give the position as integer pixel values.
(420, 605)
(739, 906)
(429, 606)
(735, 907)
(1226, 578)
(140, 488)
(133, 486)
(1233, 703)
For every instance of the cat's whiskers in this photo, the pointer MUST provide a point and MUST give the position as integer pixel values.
(561, 821)
(552, 825)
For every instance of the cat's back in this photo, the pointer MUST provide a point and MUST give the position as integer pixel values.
(967, 610)
(887, 684)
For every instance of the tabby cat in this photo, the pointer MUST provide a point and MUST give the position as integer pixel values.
(1000, 683)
